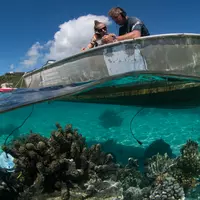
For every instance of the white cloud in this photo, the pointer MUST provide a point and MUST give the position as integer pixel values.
(73, 35)
(32, 56)
(68, 40)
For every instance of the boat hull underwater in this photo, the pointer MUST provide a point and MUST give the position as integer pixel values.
(157, 94)
(112, 73)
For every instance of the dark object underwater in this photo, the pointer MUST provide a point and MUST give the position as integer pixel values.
(158, 146)
(7, 185)
(110, 118)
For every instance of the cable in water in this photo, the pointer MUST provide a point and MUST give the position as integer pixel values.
(140, 110)
(19, 126)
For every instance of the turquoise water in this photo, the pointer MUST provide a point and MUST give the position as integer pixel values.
(99, 123)
(174, 126)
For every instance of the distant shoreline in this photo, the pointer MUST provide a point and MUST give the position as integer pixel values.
(12, 78)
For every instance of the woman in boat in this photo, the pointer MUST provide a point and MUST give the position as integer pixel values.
(100, 30)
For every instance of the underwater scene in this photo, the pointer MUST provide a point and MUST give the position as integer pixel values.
(73, 150)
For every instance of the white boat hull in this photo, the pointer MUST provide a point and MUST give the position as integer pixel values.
(169, 54)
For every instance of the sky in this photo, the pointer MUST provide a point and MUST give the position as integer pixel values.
(34, 31)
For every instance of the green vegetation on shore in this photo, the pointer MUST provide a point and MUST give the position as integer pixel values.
(13, 78)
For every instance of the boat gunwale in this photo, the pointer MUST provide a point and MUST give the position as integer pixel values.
(151, 37)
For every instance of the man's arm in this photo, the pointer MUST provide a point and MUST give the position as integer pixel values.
(135, 32)
(131, 35)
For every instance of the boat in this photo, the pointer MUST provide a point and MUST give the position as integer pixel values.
(6, 87)
(169, 54)
(157, 69)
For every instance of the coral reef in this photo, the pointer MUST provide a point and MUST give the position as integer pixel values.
(179, 174)
(168, 189)
(7, 191)
(104, 189)
(64, 167)
(45, 165)
(121, 152)
(158, 165)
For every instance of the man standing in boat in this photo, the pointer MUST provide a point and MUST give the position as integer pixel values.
(130, 27)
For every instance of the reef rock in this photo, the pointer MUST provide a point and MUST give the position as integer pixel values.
(104, 189)
(167, 189)
(133, 193)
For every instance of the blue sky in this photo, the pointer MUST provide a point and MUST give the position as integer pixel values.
(28, 22)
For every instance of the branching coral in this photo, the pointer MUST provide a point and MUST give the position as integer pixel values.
(184, 170)
(189, 161)
(159, 165)
(63, 163)
(130, 175)
(187, 169)
(63, 159)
